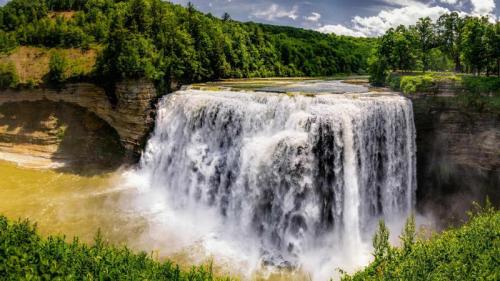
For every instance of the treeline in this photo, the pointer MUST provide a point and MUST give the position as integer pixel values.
(462, 44)
(164, 42)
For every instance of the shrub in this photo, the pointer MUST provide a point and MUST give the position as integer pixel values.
(7, 41)
(57, 68)
(419, 83)
(470, 252)
(24, 255)
(8, 76)
(394, 81)
(483, 85)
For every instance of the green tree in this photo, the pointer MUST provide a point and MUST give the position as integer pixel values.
(409, 234)
(474, 44)
(493, 48)
(449, 32)
(425, 39)
(403, 49)
(57, 68)
(381, 245)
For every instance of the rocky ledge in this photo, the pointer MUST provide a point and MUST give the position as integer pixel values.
(35, 122)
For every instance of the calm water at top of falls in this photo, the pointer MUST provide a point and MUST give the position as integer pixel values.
(250, 179)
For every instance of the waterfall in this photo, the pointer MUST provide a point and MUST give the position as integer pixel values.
(292, 171)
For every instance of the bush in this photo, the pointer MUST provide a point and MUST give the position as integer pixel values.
(394, 81)
(7, 41)
(24, 255)
(482, 85)
(419, 83)
(57, 68)
(470, 252)
(8, 76)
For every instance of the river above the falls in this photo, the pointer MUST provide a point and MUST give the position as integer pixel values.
(292, 177)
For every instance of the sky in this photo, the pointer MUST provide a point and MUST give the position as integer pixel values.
(347, 17)
(364, 18)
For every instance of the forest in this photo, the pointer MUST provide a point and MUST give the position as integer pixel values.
(451, 43)
(166, 42)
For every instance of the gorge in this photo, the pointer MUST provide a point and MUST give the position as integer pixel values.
(288, 176)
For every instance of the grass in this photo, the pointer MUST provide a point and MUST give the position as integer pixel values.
(25, 255)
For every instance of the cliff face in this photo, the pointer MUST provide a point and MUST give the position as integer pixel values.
(130, 119)
(458, 155)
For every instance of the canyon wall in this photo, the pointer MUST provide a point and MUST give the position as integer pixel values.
(43, 116)
(458, 156)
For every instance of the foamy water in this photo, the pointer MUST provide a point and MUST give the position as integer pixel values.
(264, 181)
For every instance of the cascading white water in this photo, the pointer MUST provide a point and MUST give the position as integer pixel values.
(299, 174)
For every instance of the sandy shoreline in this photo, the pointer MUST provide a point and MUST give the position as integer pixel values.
(30, 161)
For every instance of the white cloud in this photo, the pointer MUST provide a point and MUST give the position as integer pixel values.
(385, 19)
(275, 11)
(483, 7)
(314, 17)
(451, 2)
(407, 13)
(340, 30)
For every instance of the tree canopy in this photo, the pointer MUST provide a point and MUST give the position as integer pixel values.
(463, 44)
(165, 42)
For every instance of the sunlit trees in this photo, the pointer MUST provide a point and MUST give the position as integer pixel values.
(471, 44)
(166, 42)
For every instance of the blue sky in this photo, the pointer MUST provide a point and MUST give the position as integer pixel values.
(348, 17)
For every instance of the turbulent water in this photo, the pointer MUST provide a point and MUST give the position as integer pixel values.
(296, 181)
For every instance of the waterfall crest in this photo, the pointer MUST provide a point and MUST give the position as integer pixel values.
(292, 171)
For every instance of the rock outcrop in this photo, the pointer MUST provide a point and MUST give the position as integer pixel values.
(131, 117)
(458, 156)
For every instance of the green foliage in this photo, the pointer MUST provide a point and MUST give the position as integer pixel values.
(57, 68)
(474, 44)
(449, 33)
(381, 246)
(8, 76)
(470, 252)
(419, 83)
(409, 234)
(7, 41)
(482, 93)
(378, 71)
(426, 40)
(166, 42)
(483, 85)
(24, 255)
(393, 80)
(470, 44)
